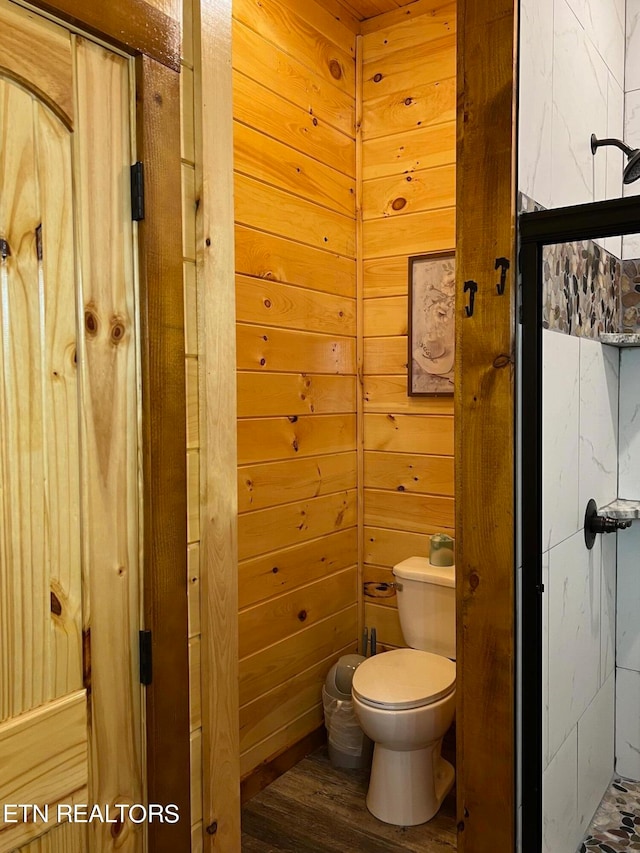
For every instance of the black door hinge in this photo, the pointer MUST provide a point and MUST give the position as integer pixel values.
(146, 661)
(137, 191)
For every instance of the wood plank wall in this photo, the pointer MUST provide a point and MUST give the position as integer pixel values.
(294, 111)
(189, 193)
(408, 162)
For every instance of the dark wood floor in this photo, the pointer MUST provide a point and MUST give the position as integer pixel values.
(314, 808)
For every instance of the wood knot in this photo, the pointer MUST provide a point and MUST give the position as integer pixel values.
(501, 360)
(401, 488)
(263, 361)
(267, 303)
(5, 251)
(398, 203)
(91, 323)
(408, 102)
(377, 77)
(56, 606)
(336, 69)
(212, 828)
(116, 827)
(117, 332)
(86, 659)
(275, 570)
(474, 580)
(302, 615)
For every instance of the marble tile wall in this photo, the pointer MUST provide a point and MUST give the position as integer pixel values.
(580, 460)
(628, 598)
(572, 67)
(579, 74)
(629, 456)
(631, 244)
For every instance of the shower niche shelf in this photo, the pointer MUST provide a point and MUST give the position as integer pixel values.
(620, 339)
(621, 508)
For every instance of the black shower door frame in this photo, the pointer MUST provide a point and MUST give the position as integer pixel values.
(538, 229)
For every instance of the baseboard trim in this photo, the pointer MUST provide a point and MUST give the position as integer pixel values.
(267, 772)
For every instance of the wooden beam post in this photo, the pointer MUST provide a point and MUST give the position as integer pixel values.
(484, 426)
(218, 477)
(164, 443)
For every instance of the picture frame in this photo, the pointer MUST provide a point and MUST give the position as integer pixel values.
(431, 326)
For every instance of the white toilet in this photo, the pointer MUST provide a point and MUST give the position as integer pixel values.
(405, 699)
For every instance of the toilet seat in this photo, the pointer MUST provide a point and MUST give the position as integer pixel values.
(403, 679)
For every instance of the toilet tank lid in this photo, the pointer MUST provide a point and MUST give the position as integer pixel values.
(420, 569)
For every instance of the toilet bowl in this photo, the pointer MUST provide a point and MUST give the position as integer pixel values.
(405, 699)
(405, 702)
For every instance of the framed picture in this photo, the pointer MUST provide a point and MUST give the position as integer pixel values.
(431, 324)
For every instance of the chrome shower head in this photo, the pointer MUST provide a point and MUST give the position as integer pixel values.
(632, 169)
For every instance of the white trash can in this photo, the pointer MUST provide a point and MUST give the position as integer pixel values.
(348, 745)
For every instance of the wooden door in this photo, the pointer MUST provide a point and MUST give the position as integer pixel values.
(70, 544)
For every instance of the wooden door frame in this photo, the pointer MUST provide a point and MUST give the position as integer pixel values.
(218, 426)
(155, 40)
(485, 427)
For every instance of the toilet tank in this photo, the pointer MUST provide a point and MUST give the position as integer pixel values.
(427, 605)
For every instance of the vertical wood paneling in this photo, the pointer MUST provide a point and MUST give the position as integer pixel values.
(24, 581)
(191, 151)
(217, 795)
(294, 105)
(153, 29)
(408, 208)
(108, 365)
(60, 399)
(64, 838)
(40, 52)
(360, 340)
